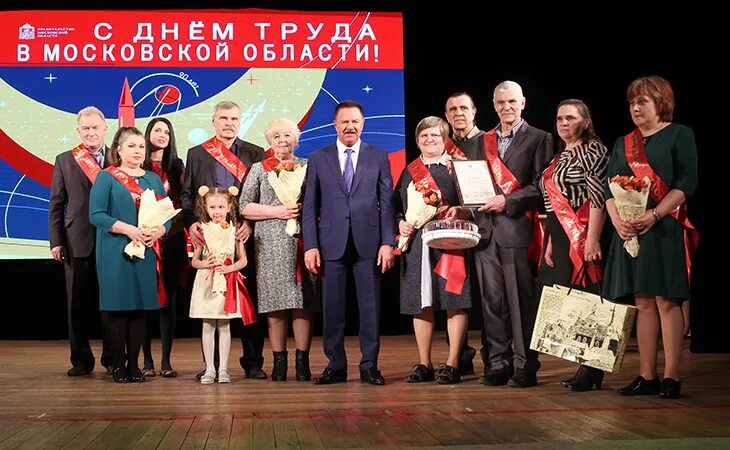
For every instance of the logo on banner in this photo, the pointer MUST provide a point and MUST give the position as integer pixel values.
(26, 32)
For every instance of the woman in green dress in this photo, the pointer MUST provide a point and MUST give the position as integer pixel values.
(657, 278)
(127, 287)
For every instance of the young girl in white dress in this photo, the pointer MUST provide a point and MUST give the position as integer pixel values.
(216, 210)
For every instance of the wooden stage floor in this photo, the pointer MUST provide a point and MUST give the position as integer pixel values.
(43, 408)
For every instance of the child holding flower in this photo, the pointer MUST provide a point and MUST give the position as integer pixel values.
(218, 293)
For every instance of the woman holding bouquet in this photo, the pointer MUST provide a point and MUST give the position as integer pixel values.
(270, 197)
(127, 287)
(658, 277)
(572, 187)
(162, 159)
(422, 291)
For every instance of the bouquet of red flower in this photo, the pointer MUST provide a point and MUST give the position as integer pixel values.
(424, 203)
(630, 195)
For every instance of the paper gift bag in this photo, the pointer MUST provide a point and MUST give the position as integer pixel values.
(582, 327)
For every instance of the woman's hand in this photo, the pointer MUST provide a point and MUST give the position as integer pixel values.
(549, 253)
(405, 228)
(645, 222)
(624, 229)
(592, 251)
(286, 212)
(151, 236)
(458, 212)
(134, 234)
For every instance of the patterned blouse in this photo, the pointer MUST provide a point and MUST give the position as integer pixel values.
(580, 175)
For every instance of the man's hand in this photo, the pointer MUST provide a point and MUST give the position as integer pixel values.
(244, 231)
(494, 204)
(405, 228)
(385, 258)
(458, 212)
(312, 260)
(196, 235)
(58, 252)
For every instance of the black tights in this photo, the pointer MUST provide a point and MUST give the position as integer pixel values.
(167, 316)
(126, 332)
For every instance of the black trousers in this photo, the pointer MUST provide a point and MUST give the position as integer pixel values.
(82, 293)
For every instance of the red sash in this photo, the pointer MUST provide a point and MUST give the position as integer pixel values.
(451, 266)
(639, 164)
(453, 150)
(508, 183)
(136, 191)
(269, 163)
(574, 223)
(237, 296)
(86, 162)
(269, 153)
(161, 173)
(217, 150)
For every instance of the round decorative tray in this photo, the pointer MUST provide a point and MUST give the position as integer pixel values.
(451, 234)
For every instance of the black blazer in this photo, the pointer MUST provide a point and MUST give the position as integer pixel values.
(200, 170)
(68, 207)
(528, 155)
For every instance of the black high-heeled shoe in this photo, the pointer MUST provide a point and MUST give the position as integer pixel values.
(120, 375)
(586, 379)
(641, 386)
(136, 376)
(670, 388)
(568, 381)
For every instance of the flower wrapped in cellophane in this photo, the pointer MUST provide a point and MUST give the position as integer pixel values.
(424, 203)
(630, 195)
(219, 239)
(152, 214)
(286, 178)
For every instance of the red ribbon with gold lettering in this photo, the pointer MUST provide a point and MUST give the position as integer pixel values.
(237, 296)
(217, 150)
(574, 223)
(161, 173)
(636, 157)
(451, 266)
(453, 150)
(86, 162)
(136, 192)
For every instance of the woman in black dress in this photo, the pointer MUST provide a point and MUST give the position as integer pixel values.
(421, 290)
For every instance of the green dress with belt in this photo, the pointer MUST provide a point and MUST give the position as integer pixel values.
(660, 268)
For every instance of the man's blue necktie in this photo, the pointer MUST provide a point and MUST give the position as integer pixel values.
(349, 170)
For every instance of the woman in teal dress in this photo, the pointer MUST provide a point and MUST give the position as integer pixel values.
(657, 278)
(127, 287)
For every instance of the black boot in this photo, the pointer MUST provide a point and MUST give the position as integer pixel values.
(278, 373)
(302, 366)
(568, 381)
(585, 380)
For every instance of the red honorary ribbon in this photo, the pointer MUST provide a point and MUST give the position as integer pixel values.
(269, 153)
(453, 150)
(508, 183)
(86, 162)
(136, 191)
(300, 266)
(574, 223)
(451, 265)
(639, 164)
(161, 173)
(237, 295)
(217, 150)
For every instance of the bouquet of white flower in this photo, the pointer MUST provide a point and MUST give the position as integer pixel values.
(152, 213)
(286, 179)
(630, 195)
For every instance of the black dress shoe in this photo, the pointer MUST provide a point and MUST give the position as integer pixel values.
(330, 376)
(136, 375)
(670, 388)
(78, 371)
(372, 376)
(448, 375)
(641, 386)
(496, 377)
(420, 374)
(252, 369)
(466, 361)
(120, 375)
(586, 379)
(523, 379)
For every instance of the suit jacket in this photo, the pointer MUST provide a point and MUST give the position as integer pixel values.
(200, 170)
(68, 207)
(329, 212)
(527, 156)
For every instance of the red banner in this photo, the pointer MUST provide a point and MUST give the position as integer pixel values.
(213, 38)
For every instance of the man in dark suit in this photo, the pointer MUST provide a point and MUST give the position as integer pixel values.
(224, 160)
(72, 237)
(348, 224)
(516, 154)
